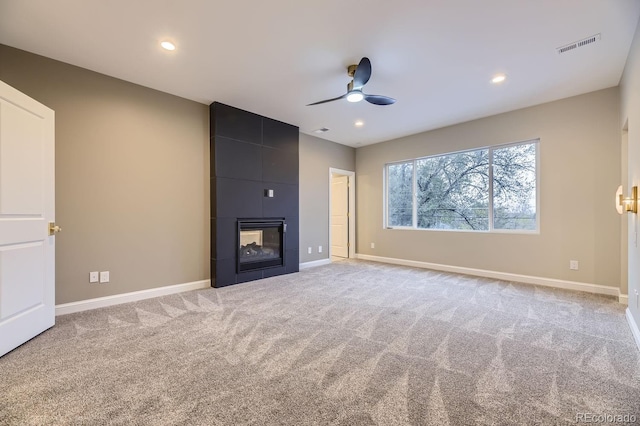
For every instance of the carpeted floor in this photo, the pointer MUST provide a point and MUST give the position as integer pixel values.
(352, 343)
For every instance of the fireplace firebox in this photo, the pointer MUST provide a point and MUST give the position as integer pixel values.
(260, 244)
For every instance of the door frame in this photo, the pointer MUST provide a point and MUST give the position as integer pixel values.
(351, 189)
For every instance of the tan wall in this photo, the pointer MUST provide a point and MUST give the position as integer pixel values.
(132, 188)
(579, 173)
(316, 157)
(630, 115)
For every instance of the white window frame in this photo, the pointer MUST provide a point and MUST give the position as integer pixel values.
(491, 149)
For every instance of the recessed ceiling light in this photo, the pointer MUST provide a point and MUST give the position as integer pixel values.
(167, 45)
(498, 78)
(359, 123)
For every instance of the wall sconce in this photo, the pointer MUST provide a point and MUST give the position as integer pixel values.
(627, 204)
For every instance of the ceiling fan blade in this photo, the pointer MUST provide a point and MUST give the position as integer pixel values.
(362, 74)
(329, 100)
(379, 99)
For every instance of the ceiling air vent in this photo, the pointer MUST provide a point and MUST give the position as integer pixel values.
(321, 130)
(576, 44)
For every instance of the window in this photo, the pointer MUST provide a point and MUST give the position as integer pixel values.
(400, 194)
(481, 190)
(514, 187)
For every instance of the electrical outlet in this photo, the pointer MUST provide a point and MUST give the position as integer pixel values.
(104, 277)
(309, 250)
(93, 277)
(373, 245)
(637, 296)
(573, 265)
(319, 249)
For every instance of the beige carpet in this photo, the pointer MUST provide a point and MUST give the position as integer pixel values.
(353, 343)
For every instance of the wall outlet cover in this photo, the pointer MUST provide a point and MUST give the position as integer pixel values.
(319, 249)
(104, 277)
(93, 277)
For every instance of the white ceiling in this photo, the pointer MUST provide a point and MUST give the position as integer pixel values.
(435, 57)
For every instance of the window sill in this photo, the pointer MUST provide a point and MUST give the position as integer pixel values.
(473, 231)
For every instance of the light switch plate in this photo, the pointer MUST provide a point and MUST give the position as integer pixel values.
(93, 277)
(104, 277)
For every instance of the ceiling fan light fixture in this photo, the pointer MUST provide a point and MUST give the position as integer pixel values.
(355, 96)
(498, 78)
(167, 45)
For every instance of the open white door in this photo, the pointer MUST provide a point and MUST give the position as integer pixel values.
(27, 252)
(340, 216)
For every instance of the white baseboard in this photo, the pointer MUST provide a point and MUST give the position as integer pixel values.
(314, 263)
(634, 327)
(117, 299)
(527, 279)
(624, 299)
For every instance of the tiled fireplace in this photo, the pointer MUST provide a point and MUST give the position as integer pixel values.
(254, 196)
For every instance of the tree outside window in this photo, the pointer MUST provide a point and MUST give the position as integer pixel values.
(482, 190)
(400, 194)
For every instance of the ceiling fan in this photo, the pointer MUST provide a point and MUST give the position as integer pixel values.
(361, 74)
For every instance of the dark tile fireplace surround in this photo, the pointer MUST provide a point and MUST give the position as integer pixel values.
(254, 196)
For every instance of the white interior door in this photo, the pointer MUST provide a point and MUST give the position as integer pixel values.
(340, 216)
(27, 252)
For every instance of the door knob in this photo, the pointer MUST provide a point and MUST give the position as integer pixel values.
(53, 228)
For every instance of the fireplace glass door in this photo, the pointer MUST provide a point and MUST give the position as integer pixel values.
(260, 244)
